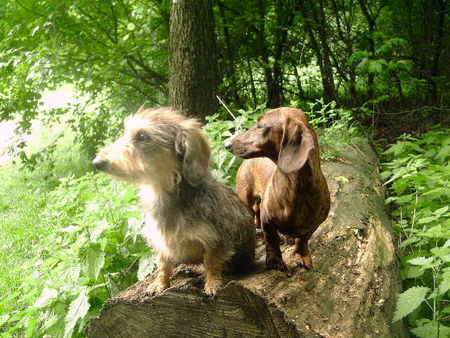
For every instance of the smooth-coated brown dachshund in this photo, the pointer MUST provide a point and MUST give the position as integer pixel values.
(281, 180)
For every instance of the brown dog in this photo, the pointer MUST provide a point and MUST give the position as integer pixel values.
(189, 216)
(282, 181)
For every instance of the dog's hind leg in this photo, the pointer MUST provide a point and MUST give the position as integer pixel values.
(302, 256)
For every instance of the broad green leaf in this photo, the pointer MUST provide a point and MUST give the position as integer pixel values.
(440, 252)
(422, 261)
(430, 328)
(409, 241)
(146, 265)
(77, 310)
(444, 286)
(411, 272)
(409, 300)
(439, 212)
(426, 220)
(47, 295)
(92, 259)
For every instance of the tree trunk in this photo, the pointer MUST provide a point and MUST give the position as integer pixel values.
(314, 21)
(232, 92)
(351, 292)
(193, 70)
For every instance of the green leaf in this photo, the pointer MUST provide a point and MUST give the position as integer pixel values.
(444, 286)
(440, 252)
(430, 328)
(131, 26)
(408, 241)
(77, 310)
(146, 265)
(410, 300)
(423, 261)
(46, 296)
(4, 318)
(443, 153)
(92, 259)
(411, 272)
(426, 220)
(439, 212)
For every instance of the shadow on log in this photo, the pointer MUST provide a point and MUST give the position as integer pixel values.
(351, 292)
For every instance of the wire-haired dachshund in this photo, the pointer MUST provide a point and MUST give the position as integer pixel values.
(189, 216)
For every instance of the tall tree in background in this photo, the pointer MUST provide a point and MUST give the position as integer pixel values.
(315, 24)
(193, 70)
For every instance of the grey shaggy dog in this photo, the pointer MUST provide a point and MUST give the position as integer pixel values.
(189, 217)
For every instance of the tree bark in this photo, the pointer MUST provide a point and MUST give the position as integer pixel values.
(351, 292)
(193, 70)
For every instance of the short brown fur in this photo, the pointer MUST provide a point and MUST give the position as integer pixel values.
(189, 217)
(282, 182)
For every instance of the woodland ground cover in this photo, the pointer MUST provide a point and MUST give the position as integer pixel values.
(417, 172)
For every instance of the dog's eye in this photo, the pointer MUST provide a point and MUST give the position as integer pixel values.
(259, 126)
(142, 137)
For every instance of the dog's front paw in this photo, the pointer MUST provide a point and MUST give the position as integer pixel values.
(275, 263)
(212, 286)
(303, 261)
(156, 288)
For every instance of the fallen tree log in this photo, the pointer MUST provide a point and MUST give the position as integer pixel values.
(351, 292)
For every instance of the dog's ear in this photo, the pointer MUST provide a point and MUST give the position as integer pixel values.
(296, 144)
(193, 149)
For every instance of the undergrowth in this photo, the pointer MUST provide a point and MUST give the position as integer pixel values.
(336, 128)
(72, 235)
(417, 171)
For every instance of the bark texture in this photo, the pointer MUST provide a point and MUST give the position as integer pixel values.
(193, 70)
(351, 292)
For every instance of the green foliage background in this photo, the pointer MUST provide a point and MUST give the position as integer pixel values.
(70, 237)
(417, 172)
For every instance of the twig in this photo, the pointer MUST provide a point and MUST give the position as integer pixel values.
(356, 147)
(223, 104)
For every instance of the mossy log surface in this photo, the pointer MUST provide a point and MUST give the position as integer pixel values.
(351, 292)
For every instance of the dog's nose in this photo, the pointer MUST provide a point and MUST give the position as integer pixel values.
(99, 164)
(228, 145)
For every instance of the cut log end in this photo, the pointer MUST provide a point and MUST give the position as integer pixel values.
(351, 292)
(184, 311)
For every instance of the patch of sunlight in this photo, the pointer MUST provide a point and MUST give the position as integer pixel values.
(6, 136)
(40, 135)
(59, 98)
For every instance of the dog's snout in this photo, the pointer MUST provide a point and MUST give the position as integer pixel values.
(99, 164)
(228, 145)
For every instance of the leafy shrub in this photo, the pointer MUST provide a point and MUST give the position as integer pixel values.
(93, 251)
(224, 165)
(336, 128)
(418, 174)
